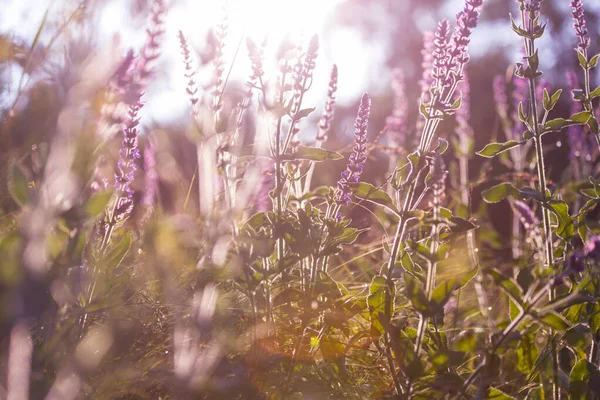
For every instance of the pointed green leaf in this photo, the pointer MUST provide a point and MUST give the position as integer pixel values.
(370, 193)
(499, 192)
(493, 149)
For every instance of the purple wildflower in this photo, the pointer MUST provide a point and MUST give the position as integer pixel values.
(525, 214)
(327, 117)
(463, 114)
(126, 166)
(500, 97)
(466, 20)
(440, 50)
(579, 25)
(592, 248)
(396, 123)
(151, 181)
(427, 64)
(575, 262)
(357, 159)
(191, 89)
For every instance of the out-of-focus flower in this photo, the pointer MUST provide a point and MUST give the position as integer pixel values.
(357, 159)
(126, 166)
(396, 123)
(327, 117)
(592, 248)
(500, 97)
(575, 262)
(151, 183)
(525, 214)
(190, 73)
(579, 25)
(463, 114)
(427, 64)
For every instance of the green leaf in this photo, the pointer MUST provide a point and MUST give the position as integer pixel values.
(493, 149)
(416, 295)
(117, 254)
(527, 354)
(441, 294)
(594, 61)
(556, 124)
(553, 100)
(553, 320)
(499, 192)
(566, 227)
(18, 185)
(581, 117)
(370, 193)
(312, 154)
(595, 93)
(376, 301)
(508, 285)
(303, 113)
(582, 59)
(97, 204)
(497, 394)
(578, 380)
(287, 295)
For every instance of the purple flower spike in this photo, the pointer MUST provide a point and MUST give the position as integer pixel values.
(126, 166)
(592, 248)
(427, 64)
(440, 50)
(396, 123)
(579, 25)
(466, 20)
(500, 97)
(357, 159)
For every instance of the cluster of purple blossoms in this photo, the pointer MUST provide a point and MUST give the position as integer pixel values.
(466, 20)
(327, 117)
(427, 64)
(357, 159)
(126, 165)
(463, 114)
(579, 25)
(439, 71)
(134, 77)
(396, 123)
(190, 73)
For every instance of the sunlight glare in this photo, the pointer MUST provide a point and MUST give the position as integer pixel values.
(277, 18)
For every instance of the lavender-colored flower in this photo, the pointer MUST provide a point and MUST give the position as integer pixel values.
(463, 114)
(579, 25)
(466, 20)
(357, 159)
(525, 214)
(439, 70)
(427, 64)
(396, 123)
(126, 166)
(151, 174)
(500, 97)
(191, 89)
(592, 248)
(575, 262)
(327, 117)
